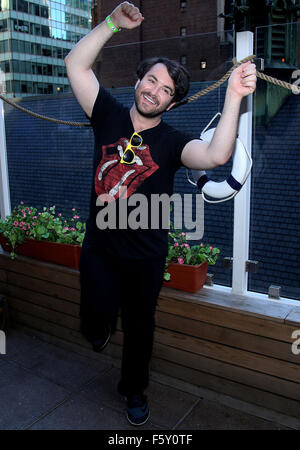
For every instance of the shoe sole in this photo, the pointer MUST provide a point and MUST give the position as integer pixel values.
(104, 345)
(124, 398)
(106, 342)
(138, 424)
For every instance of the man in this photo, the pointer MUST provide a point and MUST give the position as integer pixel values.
(136, 152)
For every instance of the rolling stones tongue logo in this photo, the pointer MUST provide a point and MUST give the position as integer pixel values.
(112, 176)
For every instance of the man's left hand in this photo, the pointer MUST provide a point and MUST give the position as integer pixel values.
(242, 81)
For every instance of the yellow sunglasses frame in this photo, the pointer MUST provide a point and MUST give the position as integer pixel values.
(129, 147)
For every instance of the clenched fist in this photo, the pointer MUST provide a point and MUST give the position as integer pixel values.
(126, 15)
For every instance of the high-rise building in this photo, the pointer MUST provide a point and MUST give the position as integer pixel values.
(35, 36)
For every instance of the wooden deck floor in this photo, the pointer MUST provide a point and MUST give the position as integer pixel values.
(231, 344)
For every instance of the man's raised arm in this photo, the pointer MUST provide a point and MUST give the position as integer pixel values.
(201, 155)
(81, 58)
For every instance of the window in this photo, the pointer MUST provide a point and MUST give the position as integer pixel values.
(21, 26)
(14, 45)
(22, 46)
(68, 36)
(35, 29)
(59, 52)
(22, 67)
(3, 25)
(203, 64)
(24, 88)
(45, 31)
(84, 22)
(27, 47)
(183, 31)
(44, 12)
(38, 88)
(34, 9)
(76, 37)
(60, 71)
(36, 49)
(27, 67)
(7, 67)
(9, 86)
(85, 5)
(47, 70)
(23, 6)
(16, 86)
(46, 51)
(48, 89)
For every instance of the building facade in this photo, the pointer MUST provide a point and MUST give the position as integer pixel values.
(188, 31)
(35, 37)
(201, 36)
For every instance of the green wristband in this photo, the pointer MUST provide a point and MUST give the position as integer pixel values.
(113, 28)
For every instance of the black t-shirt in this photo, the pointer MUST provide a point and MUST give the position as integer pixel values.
(157, 160)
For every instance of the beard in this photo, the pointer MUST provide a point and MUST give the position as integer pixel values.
(157, 111)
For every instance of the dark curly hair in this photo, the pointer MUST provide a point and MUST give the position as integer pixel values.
(177, 72)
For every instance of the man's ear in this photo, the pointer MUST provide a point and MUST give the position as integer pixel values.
(137, 83)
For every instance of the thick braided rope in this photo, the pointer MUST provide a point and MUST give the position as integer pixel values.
(292, 87)
(216, 84)
(40, 116)
(295, 89)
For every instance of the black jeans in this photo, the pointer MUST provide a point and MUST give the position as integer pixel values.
(108, 283)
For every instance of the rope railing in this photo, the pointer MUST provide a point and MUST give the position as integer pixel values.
(40, 116)
(292, 87)
(295, 89)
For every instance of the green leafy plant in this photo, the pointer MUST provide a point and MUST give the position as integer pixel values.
(180, 252)
(26, 222)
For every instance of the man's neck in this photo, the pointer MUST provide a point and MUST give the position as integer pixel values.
(141, 123)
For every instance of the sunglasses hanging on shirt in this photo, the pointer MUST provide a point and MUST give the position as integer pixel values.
(129, 156)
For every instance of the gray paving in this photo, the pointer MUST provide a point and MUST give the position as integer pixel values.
(45, 386)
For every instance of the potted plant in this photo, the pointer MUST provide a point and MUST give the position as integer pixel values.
(186, 266)
(44, 235)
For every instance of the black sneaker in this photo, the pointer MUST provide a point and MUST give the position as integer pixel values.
(137, 406)
(99, 344)
(95, 331)
(137, 409)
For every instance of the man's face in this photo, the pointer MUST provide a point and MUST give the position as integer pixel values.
(155, 92)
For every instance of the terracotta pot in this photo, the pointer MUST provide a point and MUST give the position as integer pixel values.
(187, 278)
(54, 252)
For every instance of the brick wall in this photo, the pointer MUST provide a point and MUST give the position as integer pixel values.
(116, 64)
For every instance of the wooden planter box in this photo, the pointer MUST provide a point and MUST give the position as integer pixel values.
(54, 252)
(187, 278)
